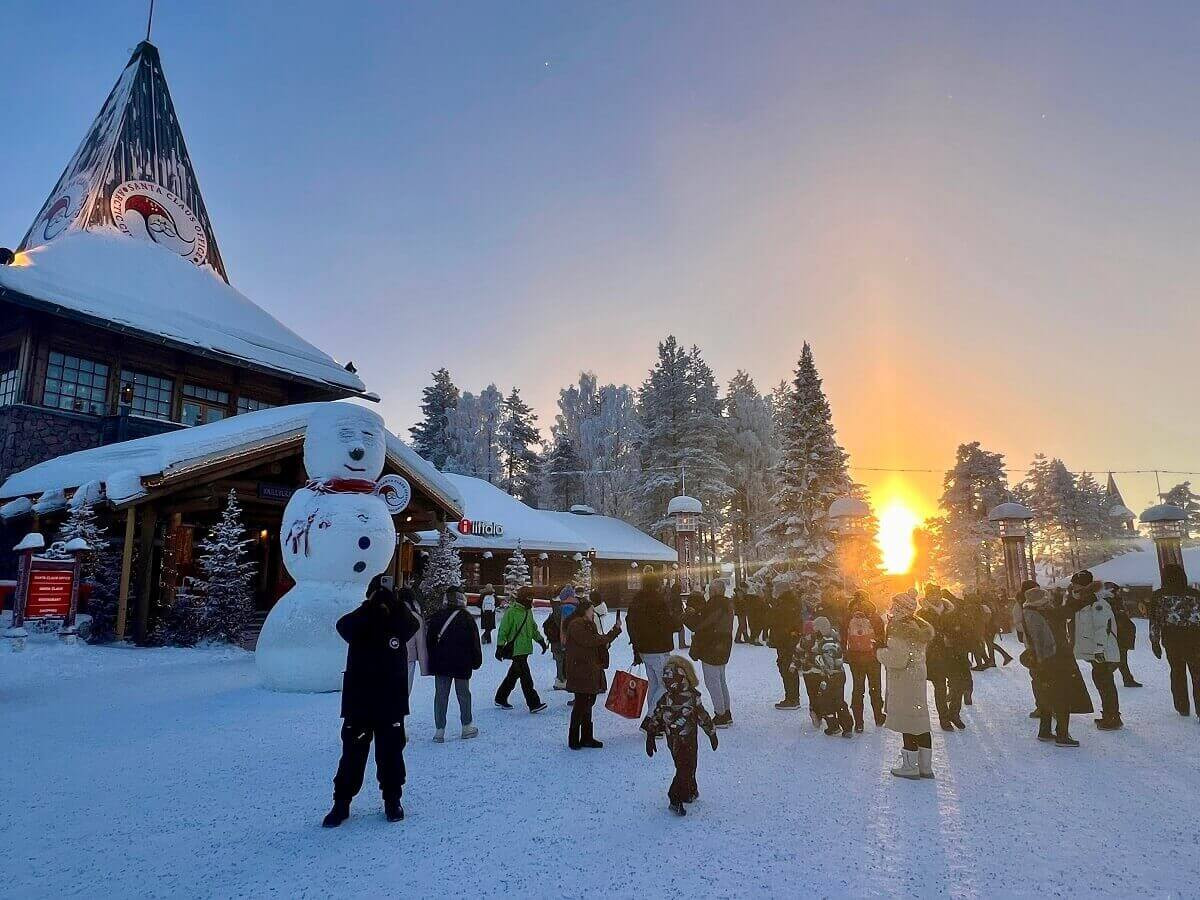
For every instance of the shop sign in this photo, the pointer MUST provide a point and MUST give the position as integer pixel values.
(51, 585)
(480, 529)
(280, 492)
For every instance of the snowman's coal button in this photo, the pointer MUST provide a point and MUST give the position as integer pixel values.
(394, 643)
(364, 542)
(359, 566)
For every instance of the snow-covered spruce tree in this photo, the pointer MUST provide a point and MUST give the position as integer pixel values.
(962, 543)
(604, 429)
(516, 574)
(429, 435)
(519, 439)
(443, 569)
(811, 474)
(216, 605)
(753, 452)
(1182, 496)
(473, 435)
(562, 479)
(101, 567)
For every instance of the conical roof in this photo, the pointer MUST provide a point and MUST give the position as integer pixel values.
(1112, 494)
(132, 173)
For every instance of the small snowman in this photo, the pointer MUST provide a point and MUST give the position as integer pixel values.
(337, 535)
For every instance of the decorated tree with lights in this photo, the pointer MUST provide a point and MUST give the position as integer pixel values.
(101, 567)
(516, 574)
(443, 569)
(217, 604)
(583, 577)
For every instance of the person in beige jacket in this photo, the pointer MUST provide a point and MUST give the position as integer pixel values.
(906, 702)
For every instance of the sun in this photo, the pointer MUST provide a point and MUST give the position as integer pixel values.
(896, 523)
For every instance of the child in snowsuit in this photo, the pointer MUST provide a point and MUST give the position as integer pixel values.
(678, 716)
(820, 653)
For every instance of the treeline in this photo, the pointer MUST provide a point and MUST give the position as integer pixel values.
(765, 466)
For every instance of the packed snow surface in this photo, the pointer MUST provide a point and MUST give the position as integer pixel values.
(1139, 568)
(138, 285)
(138, 773)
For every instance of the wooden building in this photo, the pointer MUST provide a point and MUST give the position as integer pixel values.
(158, 495)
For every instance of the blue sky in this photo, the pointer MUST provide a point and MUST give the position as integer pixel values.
(983, 216)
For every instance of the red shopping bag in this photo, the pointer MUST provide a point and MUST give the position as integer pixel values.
(627, 694)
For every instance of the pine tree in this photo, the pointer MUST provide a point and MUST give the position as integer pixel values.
(516, 574)
(962, 542)
(562, 476)
(215, 605)
(603, 427)
(429, 435)
(443, 569)
(583, 577)
(1182, 496)
(473, 435)
(518, 438)
(811, 474)
(753, 451)
(707, 440)
(665, 403)
(101, 570)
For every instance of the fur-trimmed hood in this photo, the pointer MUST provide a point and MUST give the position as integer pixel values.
(913, 629)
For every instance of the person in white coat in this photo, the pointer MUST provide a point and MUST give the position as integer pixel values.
(418, 649)
(1096, 642)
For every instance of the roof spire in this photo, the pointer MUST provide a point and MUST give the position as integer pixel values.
(150, 21)
(132, 173)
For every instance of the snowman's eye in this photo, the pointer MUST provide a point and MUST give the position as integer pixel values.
(364, 542)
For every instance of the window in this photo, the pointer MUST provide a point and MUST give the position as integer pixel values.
(75, 383)
(147, 395)
(10, 376)
(541, 573)
(633, 580)
(249, 404)
(202, 405)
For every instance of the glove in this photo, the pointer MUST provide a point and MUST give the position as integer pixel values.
(650, 746)
(712, 739)
(1157, 648)
(637, 659)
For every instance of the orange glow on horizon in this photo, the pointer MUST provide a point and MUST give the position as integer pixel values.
(899, 510)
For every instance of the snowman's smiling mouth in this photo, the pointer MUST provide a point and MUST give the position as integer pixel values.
(355, 468)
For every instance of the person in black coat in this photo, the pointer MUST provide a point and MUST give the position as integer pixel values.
(374, 700)
(740, 606)
(652, 621)
(787, 624)
(454, 653)
(1126, 631)
(711, 622)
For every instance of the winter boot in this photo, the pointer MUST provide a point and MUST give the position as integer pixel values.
(503, 704)
(1109, 723)
(846, 722)
(724, 720)
(925, 761)
(678, 809)
(1045, 734)
(469, 731)
(692, 799)
(587, 740)
(1065, 740)
(832, 726)
(880, 718)
(393, 811)
(859, 724)
(908, 767)
(537, 708)
(957, 722)
(787, 704)
(336, 816)
(946, 725)
(439, 736)
(1133, 684)
(816, 720)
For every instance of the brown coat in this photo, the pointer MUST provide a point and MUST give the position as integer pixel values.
(587, 655)
(907, 703)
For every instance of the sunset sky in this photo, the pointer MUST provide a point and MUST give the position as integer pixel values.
(983, 217)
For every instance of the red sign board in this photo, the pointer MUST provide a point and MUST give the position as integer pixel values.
(50, 592)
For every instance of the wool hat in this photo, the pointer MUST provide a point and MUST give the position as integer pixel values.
(567, 592)
(1081, 579)
(904, 606)
(822, 625)
(1036, 597)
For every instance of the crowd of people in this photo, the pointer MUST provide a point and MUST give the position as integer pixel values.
(839, 645)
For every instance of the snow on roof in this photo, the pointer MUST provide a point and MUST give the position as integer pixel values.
(849, 508)
(1140, 567)
(484, 502)
(683, 504)
(615, 539)
(121, 466)
(1010, 510)
(1121, 511)
(545, 530)
(1164, 512)
(145, 288)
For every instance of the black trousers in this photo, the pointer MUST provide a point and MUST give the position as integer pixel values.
(1106, 687)
(743, 629)
(581, 719)
(864, 673)
(791, 680)
(518, 670)
(917, 741)
(812, 687)
(1126, 675)
(950, 682)
(389, 759)
(684, 752)
(1183, 656)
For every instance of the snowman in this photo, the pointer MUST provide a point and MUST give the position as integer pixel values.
(337, 535)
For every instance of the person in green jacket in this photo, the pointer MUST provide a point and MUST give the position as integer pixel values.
(518, 633)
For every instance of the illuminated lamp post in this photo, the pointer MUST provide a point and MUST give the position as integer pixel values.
(684, 513)
(849, 516)
(1166, 524)
(1013, 521)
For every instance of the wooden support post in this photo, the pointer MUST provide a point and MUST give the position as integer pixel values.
(146, 549)
(126, 571)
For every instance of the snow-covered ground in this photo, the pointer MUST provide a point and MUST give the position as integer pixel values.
(171, 773)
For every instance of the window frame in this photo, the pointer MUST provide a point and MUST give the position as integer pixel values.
(10, 377)
(131, 376)
(93, 405)
(207, 399)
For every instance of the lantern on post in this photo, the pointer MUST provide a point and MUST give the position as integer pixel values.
(1166, 524)
(1013, 521)
(684, 513)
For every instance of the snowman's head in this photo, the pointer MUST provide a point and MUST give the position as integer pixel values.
(350, 537)
(344, 441)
